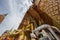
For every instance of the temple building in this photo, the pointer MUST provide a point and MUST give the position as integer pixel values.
(40, 13)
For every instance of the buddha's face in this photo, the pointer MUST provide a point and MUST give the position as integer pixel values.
(25, 22)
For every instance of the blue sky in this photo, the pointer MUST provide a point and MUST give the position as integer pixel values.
(16, 10)
(4, 6)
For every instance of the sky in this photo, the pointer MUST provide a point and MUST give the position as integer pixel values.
(16, 10)
(3, 6)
